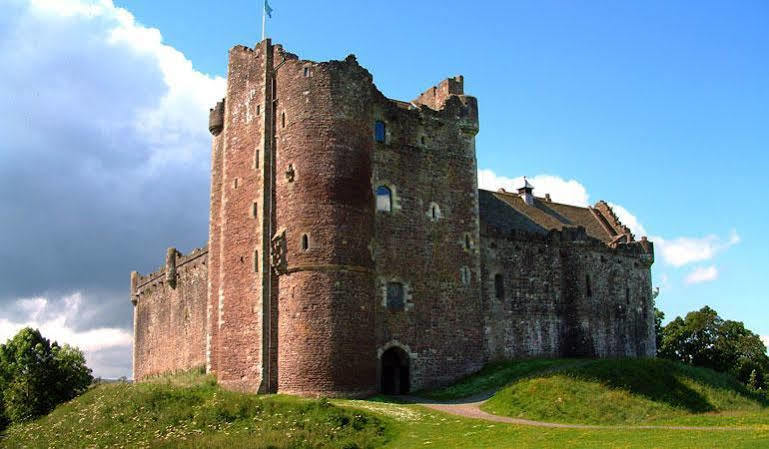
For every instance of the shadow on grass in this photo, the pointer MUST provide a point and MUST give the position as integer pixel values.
(658, 380)
(661, 381)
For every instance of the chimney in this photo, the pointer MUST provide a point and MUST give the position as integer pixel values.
(526, 192)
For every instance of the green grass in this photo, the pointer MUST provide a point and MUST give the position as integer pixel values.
(190, 411)
(162, 414)
(642, 391)
(416, 427)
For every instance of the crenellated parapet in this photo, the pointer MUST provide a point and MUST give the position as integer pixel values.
(175, 265)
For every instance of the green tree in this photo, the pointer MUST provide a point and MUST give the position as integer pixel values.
(659, 316)
(36, 375)
(703, 338)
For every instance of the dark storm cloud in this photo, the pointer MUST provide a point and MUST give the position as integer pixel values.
(90, 185)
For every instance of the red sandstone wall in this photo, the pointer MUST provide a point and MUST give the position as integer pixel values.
(170, 320)
(236, 232)
(323, 128)
(429, 156)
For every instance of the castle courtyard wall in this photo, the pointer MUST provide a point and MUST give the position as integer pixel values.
(547, 308)
(170, 316)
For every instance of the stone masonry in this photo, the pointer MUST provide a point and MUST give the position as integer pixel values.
(350, 250)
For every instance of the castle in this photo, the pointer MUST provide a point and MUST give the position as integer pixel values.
(350, 250)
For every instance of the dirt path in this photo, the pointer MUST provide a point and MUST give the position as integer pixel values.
(470, 408)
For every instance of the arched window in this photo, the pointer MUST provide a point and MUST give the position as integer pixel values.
(384, 199)
(434, 212)
(395, 296)
(499, 286)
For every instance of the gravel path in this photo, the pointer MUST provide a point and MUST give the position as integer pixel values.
(470, 408)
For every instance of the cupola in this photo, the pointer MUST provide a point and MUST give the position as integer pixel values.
(525, 192)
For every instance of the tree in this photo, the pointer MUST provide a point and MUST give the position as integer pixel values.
(659, 316)
(36, 375)
(703, 338)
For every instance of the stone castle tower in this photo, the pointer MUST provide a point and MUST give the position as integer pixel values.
(350, 250)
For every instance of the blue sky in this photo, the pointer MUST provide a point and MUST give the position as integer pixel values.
(660, 108)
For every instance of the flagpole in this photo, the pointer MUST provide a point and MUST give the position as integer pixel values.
(264, 15)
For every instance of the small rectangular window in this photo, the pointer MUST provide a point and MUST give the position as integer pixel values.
(588, 288)
(499, 286)
(258, 109)
(254, 210)
(306, 72)
(380, 131)
(256, 261)
(395, 296)
(256, 159)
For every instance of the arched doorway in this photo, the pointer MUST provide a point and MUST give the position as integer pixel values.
(395, 371)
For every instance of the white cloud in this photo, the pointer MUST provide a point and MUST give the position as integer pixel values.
(684, 250)
(629, 220)
(702, 274)
(55, 320)
(169, 125)
(560, 190)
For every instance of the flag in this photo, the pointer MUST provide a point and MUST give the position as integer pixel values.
(267, 9)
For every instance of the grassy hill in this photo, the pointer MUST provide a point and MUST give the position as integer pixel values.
(192, 412)
(645, 391)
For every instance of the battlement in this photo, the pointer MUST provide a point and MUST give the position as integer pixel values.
(176, 262)
(436, 96)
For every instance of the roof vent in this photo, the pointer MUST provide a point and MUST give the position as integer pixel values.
(547, 198)
(526, 192)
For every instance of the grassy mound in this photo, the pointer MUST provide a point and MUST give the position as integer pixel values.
(165, 414)
(647, 391)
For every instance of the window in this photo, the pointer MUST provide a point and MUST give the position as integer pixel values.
(256, 261)
(306, 72)
(256, 159)
(434, 212)
(422, 140)
(258, 107)
(305, 242)
(282, 119)
(627, 295)
(254, 209)
(395, 296)
(468, 242)
(384, 199)
(465, 275)
(588, 290)
(380, 131)
(499, 286)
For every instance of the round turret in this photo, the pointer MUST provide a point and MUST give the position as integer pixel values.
(324, 226)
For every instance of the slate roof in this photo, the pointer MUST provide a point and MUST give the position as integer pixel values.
(506, 212)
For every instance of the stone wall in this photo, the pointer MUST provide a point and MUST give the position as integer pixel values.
(428, 160)
(566, 295)
(240, 344)
(170, 315)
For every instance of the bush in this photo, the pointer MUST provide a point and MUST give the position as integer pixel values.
(36, 376)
